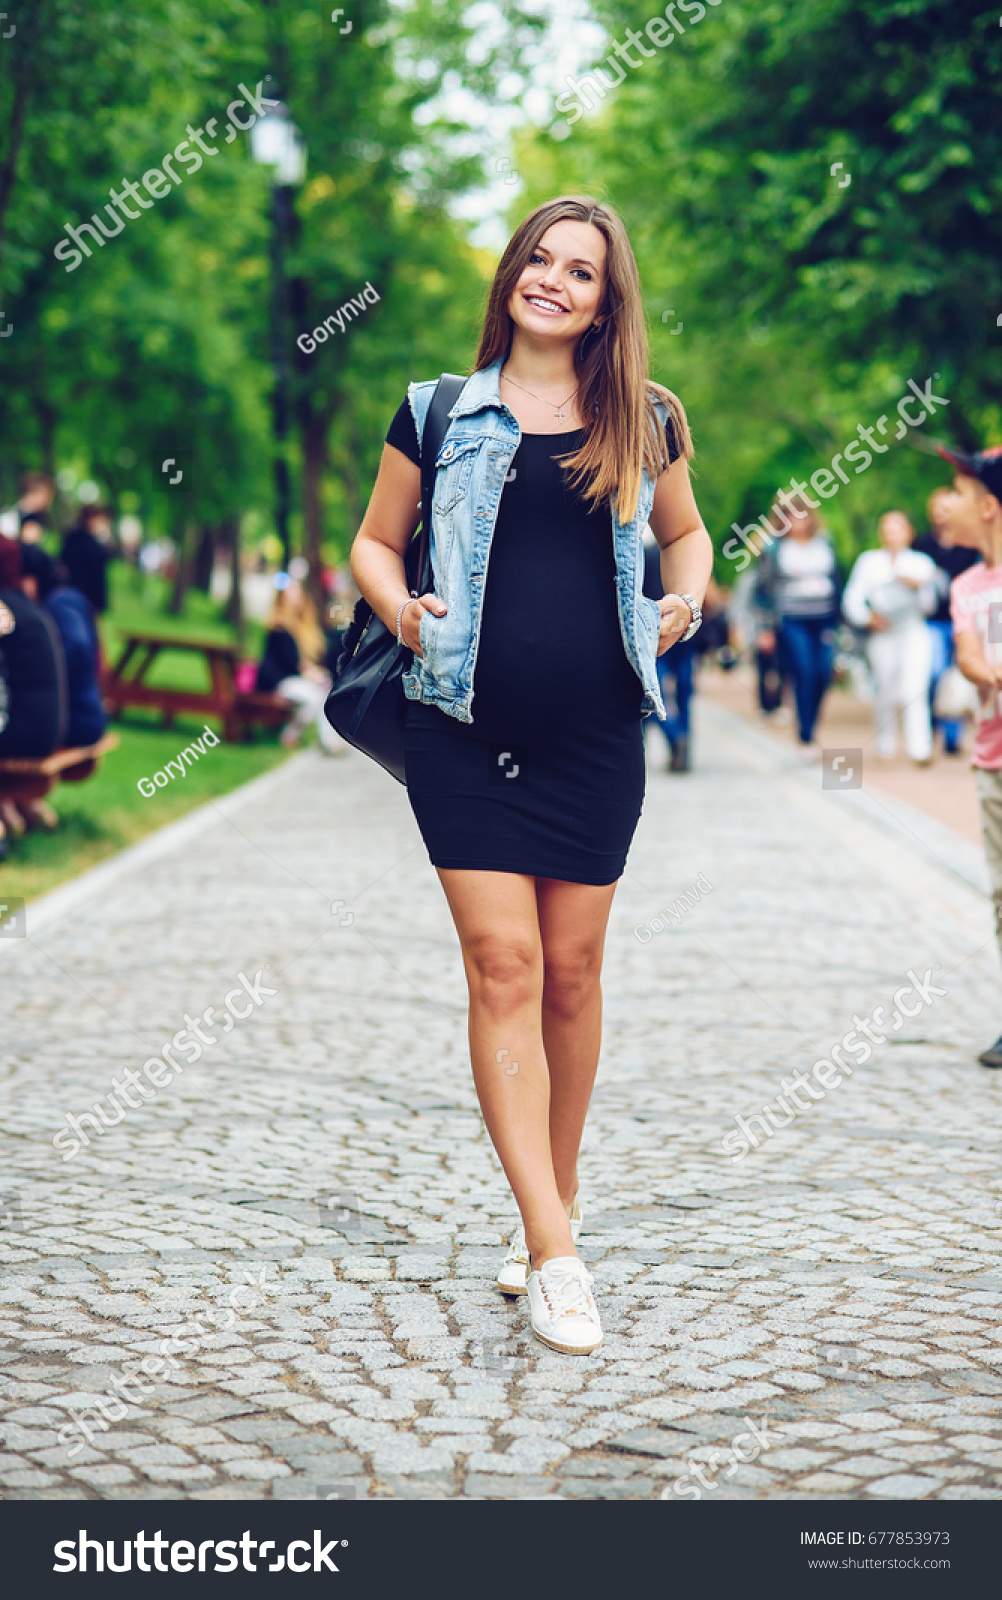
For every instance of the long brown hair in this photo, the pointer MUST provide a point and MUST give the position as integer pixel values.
(297, 614)
(615, 396)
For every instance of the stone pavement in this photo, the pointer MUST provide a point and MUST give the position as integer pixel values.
(817, 1317)
(946, 790)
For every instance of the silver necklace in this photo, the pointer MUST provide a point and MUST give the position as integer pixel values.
(559, 410)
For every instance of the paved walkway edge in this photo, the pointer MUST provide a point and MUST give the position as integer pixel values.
(922, 833)
(58, 903)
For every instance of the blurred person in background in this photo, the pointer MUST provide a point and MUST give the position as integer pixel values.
(677, 672)
(891, 592)
(37, 494)
(951, 560)
(974, 522)
(797, 608)
(718, 627)
(337, 624)
(745, 631)
(674, 669)
(87, 550)
(43, 581)
(291, 666)
(34, 671)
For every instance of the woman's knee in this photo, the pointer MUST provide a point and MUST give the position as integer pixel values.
(570, 982)
(504, 971)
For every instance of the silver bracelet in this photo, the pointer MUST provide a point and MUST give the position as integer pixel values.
(400, 611)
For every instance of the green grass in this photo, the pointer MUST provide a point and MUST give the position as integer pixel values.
(105, 813)
(137, 606)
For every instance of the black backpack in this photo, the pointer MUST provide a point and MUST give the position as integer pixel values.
(366, 705)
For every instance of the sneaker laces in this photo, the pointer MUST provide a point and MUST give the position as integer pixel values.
(566, 1293)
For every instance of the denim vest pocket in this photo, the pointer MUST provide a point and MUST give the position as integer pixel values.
(426, 633)
(454, 469)
(650, 613)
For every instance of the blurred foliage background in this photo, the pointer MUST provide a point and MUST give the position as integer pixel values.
(806, 303)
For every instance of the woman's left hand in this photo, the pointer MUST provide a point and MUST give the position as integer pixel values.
(675, 618)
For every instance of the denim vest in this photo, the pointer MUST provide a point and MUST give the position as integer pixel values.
(473, 463)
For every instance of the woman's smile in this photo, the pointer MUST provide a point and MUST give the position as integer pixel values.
(549, 308)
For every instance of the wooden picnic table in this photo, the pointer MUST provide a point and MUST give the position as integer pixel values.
(237, 711)
(32, 777)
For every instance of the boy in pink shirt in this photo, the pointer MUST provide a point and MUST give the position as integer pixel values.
(975, 520)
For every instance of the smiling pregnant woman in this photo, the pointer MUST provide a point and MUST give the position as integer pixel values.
(534, 662)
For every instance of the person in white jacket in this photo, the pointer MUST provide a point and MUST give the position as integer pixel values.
(891, 592)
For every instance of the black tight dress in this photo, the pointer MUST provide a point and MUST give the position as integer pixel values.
(548, 779)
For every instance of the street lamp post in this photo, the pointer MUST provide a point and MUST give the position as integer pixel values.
(276, 142)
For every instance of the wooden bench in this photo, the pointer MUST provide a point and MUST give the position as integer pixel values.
(238, 712)
(31, 778)
(268, 710)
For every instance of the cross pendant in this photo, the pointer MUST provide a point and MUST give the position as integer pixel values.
(560, 415)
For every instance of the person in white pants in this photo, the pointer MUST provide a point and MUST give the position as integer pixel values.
(291, 664)
(891, 592)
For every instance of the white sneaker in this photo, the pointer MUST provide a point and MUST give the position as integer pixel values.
(562, 1307)
(514, 1275)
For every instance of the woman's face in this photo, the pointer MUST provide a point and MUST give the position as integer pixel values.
(895, 532)
(560, 292)
(801, 523)
(939, 514)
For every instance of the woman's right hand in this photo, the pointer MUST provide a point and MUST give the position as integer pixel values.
(410, 620)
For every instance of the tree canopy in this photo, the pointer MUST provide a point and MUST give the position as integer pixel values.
(812, 188)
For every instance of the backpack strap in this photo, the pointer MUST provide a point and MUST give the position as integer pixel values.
(447, 391)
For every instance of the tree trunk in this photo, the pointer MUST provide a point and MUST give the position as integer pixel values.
(351, 483)
(314, 425)
(314, 461)
(48, 418)
(182, 577)
(234, 611)
(205, 559)
(31, 24)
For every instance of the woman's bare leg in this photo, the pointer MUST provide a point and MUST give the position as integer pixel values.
(572, 922)
(497, 919)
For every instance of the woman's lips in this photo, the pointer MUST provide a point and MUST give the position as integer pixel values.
(549, 308)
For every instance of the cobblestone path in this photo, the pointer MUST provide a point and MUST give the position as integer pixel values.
(818, 1316)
